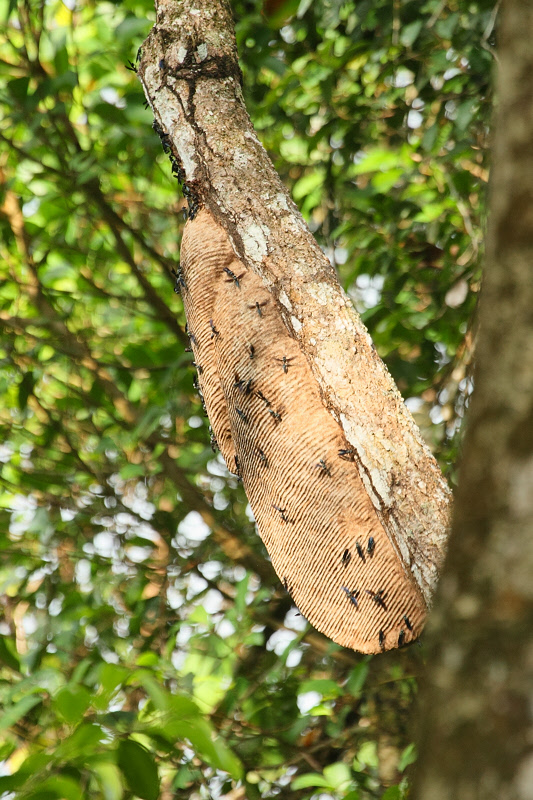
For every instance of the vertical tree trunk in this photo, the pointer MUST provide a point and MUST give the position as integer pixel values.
(349, 500)
(477, 728)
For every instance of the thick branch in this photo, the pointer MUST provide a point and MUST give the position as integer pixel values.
(191, 78)
(476, 743)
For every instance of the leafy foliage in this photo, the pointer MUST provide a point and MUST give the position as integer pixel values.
(146, 648)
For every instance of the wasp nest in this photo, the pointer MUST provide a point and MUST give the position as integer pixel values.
(313, 513)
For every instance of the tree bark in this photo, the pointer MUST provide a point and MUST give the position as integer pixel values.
(477, 742)
(240, 209)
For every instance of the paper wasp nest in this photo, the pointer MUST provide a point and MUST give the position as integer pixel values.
(313, 513)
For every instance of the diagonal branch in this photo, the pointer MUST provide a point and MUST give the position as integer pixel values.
(244, 224)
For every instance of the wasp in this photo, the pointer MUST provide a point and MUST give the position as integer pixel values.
(359, 551)
(262, 458)
(275, 416)
(352, 595)
(377, 597)
(259, 306)
(242, 385)
(346, 556)
(324, 467)
(178, 172)
(371, 546)
(194, 205)
(401, 639)
(381, 638)
(131, 66)
(262, 397)
(233, 277)
(241, 414)
(281, 512)
(165, 137)
(347, 455)
(179, 280)
(214, 331)
(407, 622)
(285, 362)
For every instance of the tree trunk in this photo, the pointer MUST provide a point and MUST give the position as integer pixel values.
(348, 499)
(477, 740)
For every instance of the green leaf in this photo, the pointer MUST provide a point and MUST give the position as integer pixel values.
(59, 786)
(132, 28)
(308, 183)
(384, 181)
(132, 471)
(8, 8)
(408, 757)
(281, 12)
(377, 159)
(25, 389)
(446, 26)
(61, 60)
(110, 677)
(227, 760)
(410, 32)
(182, 707)
(367, 754)
(323, 686)
(71, 702)
(309, 779)
(139, 769)
(430, 213)
(12, 714)
(357, 678)
(465, 112)
(46, 352)
(179, 723)
(10, 782)
(147, 659)
(109, 778)
(18, 88)
(392, 793)
(338, 776)
(8, 653)
(82, 742)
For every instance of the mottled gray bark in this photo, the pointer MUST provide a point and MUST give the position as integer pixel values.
(191, 78)
(477, 709)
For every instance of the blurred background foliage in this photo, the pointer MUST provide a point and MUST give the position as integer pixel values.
(146, 647)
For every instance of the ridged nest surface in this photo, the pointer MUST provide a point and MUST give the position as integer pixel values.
(324, 537)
